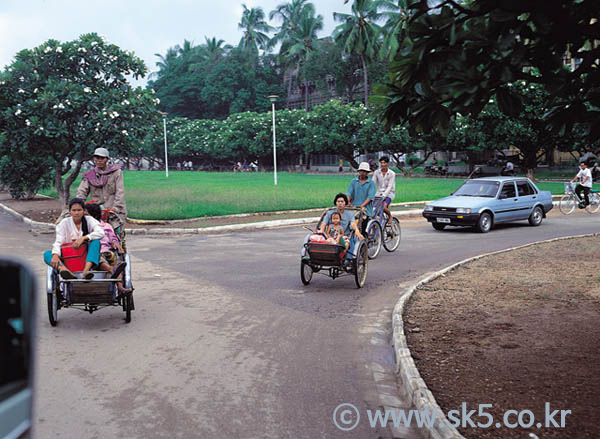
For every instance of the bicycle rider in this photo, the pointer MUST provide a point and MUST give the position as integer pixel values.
(385, 179)
(585, 183)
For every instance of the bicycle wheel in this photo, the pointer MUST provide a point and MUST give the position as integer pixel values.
(567, 204)
(374, 238)
(594, 205)
(392, 235)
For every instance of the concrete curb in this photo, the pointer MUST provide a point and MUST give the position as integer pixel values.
(263, 225)
(34, 224)
(246, 215)
(411, 380)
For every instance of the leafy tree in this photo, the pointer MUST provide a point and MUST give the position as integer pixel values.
(359, 34)
(60, 101)
(207, 87)
(458, 55)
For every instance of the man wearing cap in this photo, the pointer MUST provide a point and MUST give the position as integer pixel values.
(362, 189)
(104, 183)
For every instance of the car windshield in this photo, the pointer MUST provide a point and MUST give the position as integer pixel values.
(478, 188)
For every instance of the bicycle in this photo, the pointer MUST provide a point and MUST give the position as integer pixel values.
(570, 200)
(381, 231)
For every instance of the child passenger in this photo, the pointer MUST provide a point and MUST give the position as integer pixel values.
(335, 232)
(108, 245)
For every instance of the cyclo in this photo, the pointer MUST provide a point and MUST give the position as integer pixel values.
(93, 294)
(332, 259)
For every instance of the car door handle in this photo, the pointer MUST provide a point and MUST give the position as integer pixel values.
(534, 198)
(516, 199)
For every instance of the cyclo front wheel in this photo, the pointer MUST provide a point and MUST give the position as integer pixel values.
(52, 308)
(567, 204)
(392, 235)
(306, 272)
(360, 265)
(374, 238)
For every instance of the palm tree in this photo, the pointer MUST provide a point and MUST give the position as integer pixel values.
(290, 15)
(165, 64)
(359, 33)
(213, 49)
(302, 41)
(397, 15)
(255, 27)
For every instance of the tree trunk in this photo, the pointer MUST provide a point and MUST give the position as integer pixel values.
(366, 80)
(289, 90)
(58, 184)
(71, 178)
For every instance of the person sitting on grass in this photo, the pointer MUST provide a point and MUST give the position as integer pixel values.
(108, 244)
(77, 229)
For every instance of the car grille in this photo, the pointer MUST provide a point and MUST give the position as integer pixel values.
(444, 209)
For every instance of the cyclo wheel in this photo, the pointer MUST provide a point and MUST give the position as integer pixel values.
(360, 265)
(306, 272)
(52, 308)
(392, 235)
(127, 306)
(374, 238)
(594, 203)
(567, 204)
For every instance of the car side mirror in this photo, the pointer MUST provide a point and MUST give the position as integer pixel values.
(17, 335)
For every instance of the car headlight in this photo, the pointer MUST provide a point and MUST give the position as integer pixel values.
(463, 210)
(428, 208)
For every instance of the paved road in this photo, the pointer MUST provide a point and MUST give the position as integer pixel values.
(227, 342)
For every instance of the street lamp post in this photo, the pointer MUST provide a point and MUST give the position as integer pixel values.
(164, 115)
(273, 99)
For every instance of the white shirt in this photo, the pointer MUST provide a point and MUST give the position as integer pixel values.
(386, 185)
(66, 232)
(585, 173)
(510, 166)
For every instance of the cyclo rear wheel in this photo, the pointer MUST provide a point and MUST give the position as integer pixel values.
(374, 238)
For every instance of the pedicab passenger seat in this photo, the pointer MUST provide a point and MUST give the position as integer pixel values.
(325, 253)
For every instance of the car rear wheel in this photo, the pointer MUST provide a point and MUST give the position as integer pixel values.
(536, 217)
(438, 226)
(484, 224)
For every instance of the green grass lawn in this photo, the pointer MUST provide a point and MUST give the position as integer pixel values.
(150, 195)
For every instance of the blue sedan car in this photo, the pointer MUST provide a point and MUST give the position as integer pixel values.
(484, 202)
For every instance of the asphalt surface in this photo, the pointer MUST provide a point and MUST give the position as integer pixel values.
(225, 340)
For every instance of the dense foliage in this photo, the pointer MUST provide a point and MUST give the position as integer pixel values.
(60, 101)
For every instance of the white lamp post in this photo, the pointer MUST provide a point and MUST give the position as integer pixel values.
(273, 99)
(164, 115)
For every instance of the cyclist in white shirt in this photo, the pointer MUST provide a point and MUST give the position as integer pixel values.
(585, 182)
(385, 179)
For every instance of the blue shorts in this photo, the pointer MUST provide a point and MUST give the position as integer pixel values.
(387, 201)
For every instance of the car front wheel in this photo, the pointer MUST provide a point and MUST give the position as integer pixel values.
(484, 224)
(438, 226)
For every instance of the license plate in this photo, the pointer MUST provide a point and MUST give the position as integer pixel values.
(443, 220)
